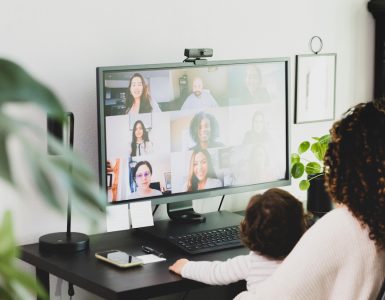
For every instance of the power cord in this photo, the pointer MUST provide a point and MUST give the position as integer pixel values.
(71, 290)
(156, 207)
(220, 204)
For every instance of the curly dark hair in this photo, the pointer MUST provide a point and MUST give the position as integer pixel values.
(196, 122)
(355, 166)
(273, 223)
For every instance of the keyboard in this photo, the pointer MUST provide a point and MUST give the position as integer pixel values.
(207, 241)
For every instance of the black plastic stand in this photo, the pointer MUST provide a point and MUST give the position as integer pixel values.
(184, 212)
(66, 242)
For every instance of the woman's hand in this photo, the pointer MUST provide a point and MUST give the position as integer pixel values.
(178, 266)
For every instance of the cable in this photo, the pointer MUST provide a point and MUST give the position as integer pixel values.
(71, 290)
(156, 207)
(220, 204)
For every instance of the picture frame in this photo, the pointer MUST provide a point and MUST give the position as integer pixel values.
(315, 86)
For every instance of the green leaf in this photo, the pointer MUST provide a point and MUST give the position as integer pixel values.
(8, 248)
(317, 151)
(313, 168)
(303, 147)
(5, 170)
(294, 158)
(5, 294)
(297, 170)
(29, 282)
(304, 185)
(325, 139)
(16, 85)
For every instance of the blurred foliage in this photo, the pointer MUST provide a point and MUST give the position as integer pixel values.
(51, 174)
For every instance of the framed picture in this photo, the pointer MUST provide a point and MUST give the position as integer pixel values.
(315, 86)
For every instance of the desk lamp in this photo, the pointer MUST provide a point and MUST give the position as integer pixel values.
(65, 242)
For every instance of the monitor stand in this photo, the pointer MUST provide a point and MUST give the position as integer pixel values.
(183, 212)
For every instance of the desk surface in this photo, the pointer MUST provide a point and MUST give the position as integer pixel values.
(84, 270)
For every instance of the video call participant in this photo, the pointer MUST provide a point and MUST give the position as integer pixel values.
(142, 176)
(204, 129)
(256, 91)
(201, 173)
(200, 98)
(139, 99)
(258, 132)
(140, 144)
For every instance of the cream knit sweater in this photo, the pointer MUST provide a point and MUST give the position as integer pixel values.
(253, 268)
(335, 259)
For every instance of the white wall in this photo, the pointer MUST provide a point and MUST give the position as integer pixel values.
(62, 42)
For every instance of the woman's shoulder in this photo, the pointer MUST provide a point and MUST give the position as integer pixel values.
(338, 228)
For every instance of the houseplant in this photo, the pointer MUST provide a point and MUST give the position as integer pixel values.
(311, 172)
(50, 176)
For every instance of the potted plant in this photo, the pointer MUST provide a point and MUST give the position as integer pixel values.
(49, 175)
(312, 173)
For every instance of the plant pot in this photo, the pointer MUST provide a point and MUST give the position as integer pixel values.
(318, 201)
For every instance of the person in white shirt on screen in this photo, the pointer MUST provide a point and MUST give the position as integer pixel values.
(142, 175)
(200, 98)
(139, 99)
(273, 223)
(140, 144)
(201, 172)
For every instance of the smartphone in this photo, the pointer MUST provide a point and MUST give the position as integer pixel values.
(119, 258)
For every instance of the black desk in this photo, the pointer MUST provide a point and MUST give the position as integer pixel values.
(85, 271)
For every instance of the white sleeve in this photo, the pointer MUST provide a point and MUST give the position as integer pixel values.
(155, 106)
(218, 272)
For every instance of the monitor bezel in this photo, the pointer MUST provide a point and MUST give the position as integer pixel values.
(179, 197)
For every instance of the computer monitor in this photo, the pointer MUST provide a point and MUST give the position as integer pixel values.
(180, 131)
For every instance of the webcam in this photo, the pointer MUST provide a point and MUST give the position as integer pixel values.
(198, 52)
(195, 55)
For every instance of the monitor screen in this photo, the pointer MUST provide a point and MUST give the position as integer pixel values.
(176, 132)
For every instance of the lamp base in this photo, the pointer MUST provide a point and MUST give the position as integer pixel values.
(63, 242)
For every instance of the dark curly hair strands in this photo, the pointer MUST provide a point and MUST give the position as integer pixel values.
(355, 164)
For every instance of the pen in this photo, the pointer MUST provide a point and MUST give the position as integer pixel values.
(149, 250)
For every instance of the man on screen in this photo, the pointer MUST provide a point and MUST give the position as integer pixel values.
(200, 98)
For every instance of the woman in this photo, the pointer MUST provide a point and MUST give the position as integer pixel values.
(142, 176)
(258, 132)
(140, 143)
(139, 99)
(201, 173)
(204, 130)
(342, 256)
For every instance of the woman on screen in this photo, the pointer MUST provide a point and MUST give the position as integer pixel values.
(142, 176)
(204, 130)
(139, 99)
(140, 143)
(258, 132)
(201, 173)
